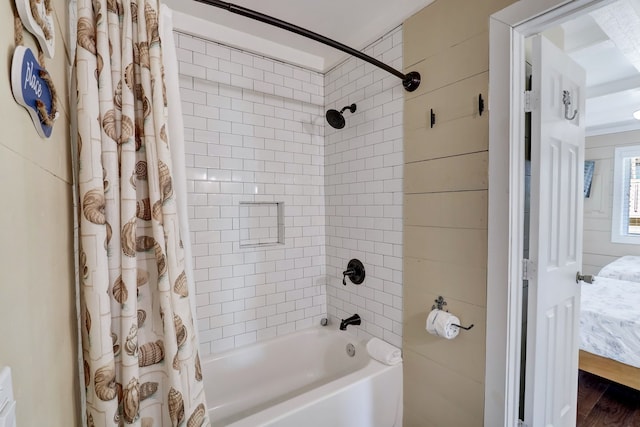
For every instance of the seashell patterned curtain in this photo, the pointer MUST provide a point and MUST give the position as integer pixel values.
(141, 363)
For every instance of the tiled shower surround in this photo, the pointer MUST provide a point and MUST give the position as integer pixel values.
(254, 133)
(363, 187)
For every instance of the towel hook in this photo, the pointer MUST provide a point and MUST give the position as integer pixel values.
(566, 100)
(439, 304)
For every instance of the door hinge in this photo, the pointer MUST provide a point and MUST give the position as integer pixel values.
(528, 269)
(530, 101)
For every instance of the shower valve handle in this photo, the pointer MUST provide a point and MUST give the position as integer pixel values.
(348, 272)
(355, 271)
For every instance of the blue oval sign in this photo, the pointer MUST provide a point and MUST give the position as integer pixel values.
(28, 87)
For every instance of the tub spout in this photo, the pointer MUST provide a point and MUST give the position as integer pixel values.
(353, 320)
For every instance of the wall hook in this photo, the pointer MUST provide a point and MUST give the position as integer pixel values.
(433, 119)
(480, 105)
(566, 100)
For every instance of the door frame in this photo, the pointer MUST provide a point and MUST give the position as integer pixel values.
(507, 32)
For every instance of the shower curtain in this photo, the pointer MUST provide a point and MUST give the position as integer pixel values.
(140, 351)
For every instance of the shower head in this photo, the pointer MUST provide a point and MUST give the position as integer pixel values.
(335, 117)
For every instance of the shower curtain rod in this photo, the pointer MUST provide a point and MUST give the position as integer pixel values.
(410, 81)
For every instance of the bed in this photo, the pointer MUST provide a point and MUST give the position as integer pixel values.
(625, 268)
(610, 330)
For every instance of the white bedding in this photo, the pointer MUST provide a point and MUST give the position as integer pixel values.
(610, 320)
(625, 268)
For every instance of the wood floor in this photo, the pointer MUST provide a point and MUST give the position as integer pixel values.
(602, 403)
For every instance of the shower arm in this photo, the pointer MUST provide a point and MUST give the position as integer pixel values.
(410, 81)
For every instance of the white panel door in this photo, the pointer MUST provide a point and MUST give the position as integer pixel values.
(557, 181)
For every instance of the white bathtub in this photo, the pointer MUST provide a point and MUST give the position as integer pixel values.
(303, 379)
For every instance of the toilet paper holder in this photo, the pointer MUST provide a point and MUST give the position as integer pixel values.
(439, 304)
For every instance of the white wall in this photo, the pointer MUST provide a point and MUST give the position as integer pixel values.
(253, 132)
(38, 318)
(363, 176)
(598, 248)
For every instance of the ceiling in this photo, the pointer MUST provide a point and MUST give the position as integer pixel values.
(606, 43)
(603, 42)
(356, 23)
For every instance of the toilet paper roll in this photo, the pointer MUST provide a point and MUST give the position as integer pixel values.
(440, 323)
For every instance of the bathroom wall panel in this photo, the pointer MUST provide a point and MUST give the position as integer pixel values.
(38, 322)
(450, 245)
(467, 58)
(456, 173)
(464, 282)
(363, 177)
(448, 42)
(445, 398)
(462, 209)
(433, 216)
(47, 155)
(37, 306)
(449, 102)
(254, 133)
(450, 138)
(442, 25)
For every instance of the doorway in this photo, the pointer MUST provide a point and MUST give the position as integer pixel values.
(608, 365)
(508, 31)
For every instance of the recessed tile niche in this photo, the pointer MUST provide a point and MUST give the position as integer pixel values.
(261, 224)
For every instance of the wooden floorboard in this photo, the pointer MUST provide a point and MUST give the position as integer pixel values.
(590, 390)
(602, 403)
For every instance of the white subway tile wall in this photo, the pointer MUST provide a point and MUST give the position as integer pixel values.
(363, 187)
(253, 133)
(260, 224)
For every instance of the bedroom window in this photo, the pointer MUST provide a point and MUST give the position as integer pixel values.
(626, 196)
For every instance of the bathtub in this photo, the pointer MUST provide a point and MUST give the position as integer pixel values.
(303, 379)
